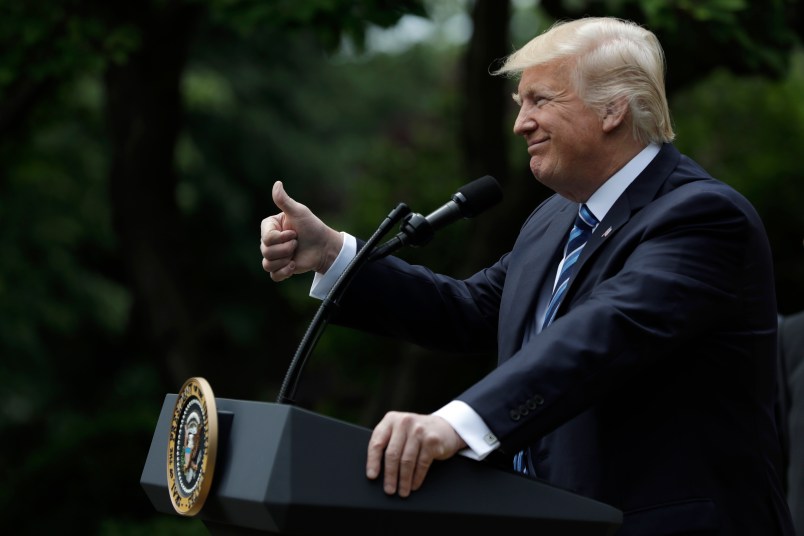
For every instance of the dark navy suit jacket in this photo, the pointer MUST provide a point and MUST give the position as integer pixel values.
(791, 357)
(654, 388)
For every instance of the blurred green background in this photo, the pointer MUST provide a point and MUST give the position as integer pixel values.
(139, 142)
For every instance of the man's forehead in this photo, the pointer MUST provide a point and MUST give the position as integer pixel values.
(532, 81)
(543, 77)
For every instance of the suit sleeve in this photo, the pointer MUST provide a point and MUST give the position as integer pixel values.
(686, 278)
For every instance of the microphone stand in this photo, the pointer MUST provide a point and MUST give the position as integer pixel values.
(321, 318)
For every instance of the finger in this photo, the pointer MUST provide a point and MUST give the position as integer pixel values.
(408, 464)
(376, 448)
(278, 259)
(422, 467)
(428, 451)
(278, 267)
(269, 224)
(278, 250)
(284, 273)
(393, 454)
(271, 231)
(393, 451)
(284, 202)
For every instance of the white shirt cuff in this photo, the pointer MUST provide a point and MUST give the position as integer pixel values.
(323, 283)
(468, 424)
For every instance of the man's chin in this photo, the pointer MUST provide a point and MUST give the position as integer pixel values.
(535, 168)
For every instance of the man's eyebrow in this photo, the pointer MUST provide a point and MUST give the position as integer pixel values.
(517, 98)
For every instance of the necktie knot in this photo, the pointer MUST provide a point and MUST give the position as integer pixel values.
(585, 219)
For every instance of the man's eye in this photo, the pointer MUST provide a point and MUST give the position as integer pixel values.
(531, 100)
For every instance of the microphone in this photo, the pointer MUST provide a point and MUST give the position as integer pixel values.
(470, 200)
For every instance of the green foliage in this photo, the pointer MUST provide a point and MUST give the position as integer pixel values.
(347, 139)
(156, 526)
(747, 131)
(54, 207)
(81, 391)
(267, 94)
(698, 37)
(331, 20)
(725, 11)
(44, 41)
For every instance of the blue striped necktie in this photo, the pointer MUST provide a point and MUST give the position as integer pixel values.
(585, 223)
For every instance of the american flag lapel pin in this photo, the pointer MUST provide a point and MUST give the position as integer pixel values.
(606, 233)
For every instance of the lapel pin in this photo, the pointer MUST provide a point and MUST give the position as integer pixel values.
(606, 233)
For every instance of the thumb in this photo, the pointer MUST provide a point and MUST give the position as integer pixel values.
(283, 201)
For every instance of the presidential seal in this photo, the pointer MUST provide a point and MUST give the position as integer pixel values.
(192, 446)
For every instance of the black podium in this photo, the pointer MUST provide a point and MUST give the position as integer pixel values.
(282, 469)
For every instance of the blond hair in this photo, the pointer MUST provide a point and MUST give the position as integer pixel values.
(610, 59)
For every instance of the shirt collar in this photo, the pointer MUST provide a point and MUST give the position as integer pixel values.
(604, 198)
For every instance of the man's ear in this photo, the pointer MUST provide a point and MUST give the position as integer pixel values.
(615, 114)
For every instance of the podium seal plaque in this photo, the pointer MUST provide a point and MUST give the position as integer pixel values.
(192, 446)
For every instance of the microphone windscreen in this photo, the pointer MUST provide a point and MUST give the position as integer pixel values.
(479, 195)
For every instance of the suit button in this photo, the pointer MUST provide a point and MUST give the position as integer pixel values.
(515, 415)
(538, 400)
(523, 409)
(531, 404)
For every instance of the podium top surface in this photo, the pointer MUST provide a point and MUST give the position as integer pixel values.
(286, 470)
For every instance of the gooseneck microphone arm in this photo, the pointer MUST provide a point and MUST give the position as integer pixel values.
(321, 318)
(416, 230)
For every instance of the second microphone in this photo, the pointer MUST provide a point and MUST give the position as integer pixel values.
(470, 200)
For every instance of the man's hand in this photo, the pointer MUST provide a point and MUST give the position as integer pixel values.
(295, 241)
(407, 444)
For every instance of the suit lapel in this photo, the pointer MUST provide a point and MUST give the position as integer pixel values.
(638, 194)
(533, 265)
(533, 260)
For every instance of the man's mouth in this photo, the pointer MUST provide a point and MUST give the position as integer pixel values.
(534, 145)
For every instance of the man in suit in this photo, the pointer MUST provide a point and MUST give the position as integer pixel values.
(650, 384)
(791, 360)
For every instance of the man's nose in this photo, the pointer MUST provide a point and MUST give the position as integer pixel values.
(524, 123)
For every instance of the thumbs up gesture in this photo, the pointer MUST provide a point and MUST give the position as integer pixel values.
(296, 241)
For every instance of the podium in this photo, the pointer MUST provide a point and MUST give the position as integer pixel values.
(282, 469)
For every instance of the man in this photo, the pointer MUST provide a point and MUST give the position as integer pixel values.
(647, 378)
(791, 361)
